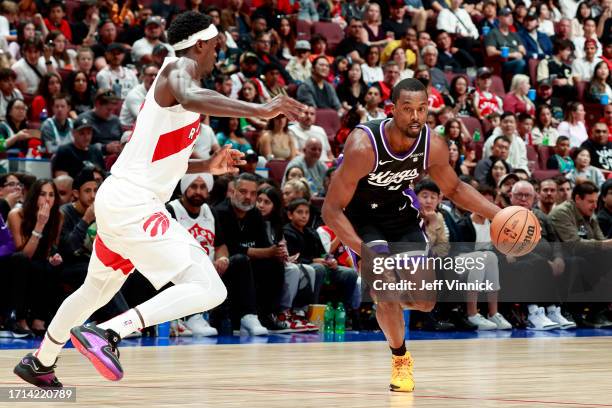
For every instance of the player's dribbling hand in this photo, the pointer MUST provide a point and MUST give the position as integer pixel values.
(226, 160)
(282, 104)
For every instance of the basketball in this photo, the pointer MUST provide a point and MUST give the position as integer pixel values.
(515, 231)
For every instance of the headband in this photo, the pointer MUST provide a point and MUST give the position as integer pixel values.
(190, 178)
(190, 41)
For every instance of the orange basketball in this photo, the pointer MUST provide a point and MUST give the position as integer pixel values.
(515, 231)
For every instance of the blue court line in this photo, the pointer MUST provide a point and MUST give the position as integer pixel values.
(6, 344)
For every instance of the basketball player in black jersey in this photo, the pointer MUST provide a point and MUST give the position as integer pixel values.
(371, 201)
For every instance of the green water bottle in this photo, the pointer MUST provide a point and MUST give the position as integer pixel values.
(476, 136)
(545, 140)
(328, 319)
(340, 316)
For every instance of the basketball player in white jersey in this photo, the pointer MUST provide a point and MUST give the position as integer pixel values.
(134, 229)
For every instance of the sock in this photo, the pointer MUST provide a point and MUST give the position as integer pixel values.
(48, 350)
(124, 324)
(400, 351)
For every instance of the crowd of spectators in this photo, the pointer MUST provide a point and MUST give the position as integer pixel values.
(520, 89)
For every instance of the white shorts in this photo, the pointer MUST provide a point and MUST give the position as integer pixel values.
(135, 231)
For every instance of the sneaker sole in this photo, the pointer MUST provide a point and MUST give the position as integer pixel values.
(245, 332)
(84, 341)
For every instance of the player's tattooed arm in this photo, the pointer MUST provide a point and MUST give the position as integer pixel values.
(454, 189)
(205, 101)
(357, 163)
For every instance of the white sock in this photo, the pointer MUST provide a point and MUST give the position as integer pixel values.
(48, 351)
(124, 324)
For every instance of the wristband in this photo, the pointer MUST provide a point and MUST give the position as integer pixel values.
(37, 234)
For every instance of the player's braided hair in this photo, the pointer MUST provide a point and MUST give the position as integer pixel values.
(186, 24)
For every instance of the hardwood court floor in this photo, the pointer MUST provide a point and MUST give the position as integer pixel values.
(562, 372)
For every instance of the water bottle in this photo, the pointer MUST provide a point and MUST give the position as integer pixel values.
(582, 232)
(117, 88)
(340, 317)
(545, 140)
(328, 319)
(44, 114)
(476, 136)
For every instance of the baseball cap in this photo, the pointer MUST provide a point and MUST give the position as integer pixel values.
(248, 55)
(530, 16)
(506, 11)
(545, 82)
(483, 72)
(507, 177)
(115, 47)
(302, 45)
(154, 20)
(106, 95)
(251, 156)
(85, 176)
(81, 123)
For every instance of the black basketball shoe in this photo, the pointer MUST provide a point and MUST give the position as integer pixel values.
(31, 370)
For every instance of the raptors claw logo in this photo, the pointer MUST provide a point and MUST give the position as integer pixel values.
(158, 220)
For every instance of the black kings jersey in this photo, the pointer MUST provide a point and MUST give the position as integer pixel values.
(386, 194)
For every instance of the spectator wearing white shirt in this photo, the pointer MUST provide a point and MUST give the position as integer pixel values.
(457, 21)
(206, 144)
(143, 48)
(7, 90)
(573, 126)
(590, 32)
(30, 69)
(306, 129)
(114, 76)
(582, 68)
(135, 98)
(517, 156)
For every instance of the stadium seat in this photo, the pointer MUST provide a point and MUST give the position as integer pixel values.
(65, 74)
(544, 152)
(471, 123)
(581, 87)
(533, 158)
(545, 174)
(328, 119)
(317, 201)
(331, 31)
(277, 169)
(497, 86)
(303, 29)
(532, 65)
(594, 111)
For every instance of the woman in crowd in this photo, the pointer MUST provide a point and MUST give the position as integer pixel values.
(230, 132)
(287, 37)
(50, 86)
(81, 91)
(573, 126)
(26, 31)
(544, 133)
(582, 12)
(294, 172)
(36, 229)
(545, 19)
(600, 84)
(62, 57)
(11, 193)
(455, 158)
(373, 26)
(499, 168)
(352, 90)
(13, 131)
(583, 170)
(453, 130)
(399, 56)
(516, 101)
(371, 71)
(249, 93)
(461, 98)
(276, 142)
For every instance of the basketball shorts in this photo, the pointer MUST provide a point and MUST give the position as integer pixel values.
(136, 232)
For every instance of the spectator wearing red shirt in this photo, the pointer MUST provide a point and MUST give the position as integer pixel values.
(516, 101)
(56, 20)
(391, 76)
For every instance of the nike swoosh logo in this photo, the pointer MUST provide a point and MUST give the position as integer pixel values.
(382, 163)
(3, 228)
(402, 207)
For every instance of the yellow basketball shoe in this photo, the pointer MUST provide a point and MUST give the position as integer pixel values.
(401, 373)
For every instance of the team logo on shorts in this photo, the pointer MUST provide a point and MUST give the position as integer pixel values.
(159, 222)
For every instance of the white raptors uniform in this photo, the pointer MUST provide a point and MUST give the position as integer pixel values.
(134, 228)
(202, 228)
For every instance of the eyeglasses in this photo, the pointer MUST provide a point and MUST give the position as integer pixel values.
(522, 195)
(13, 184)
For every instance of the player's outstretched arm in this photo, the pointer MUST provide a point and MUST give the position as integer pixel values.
(454, 189)
(208, 102)
(357, 163)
